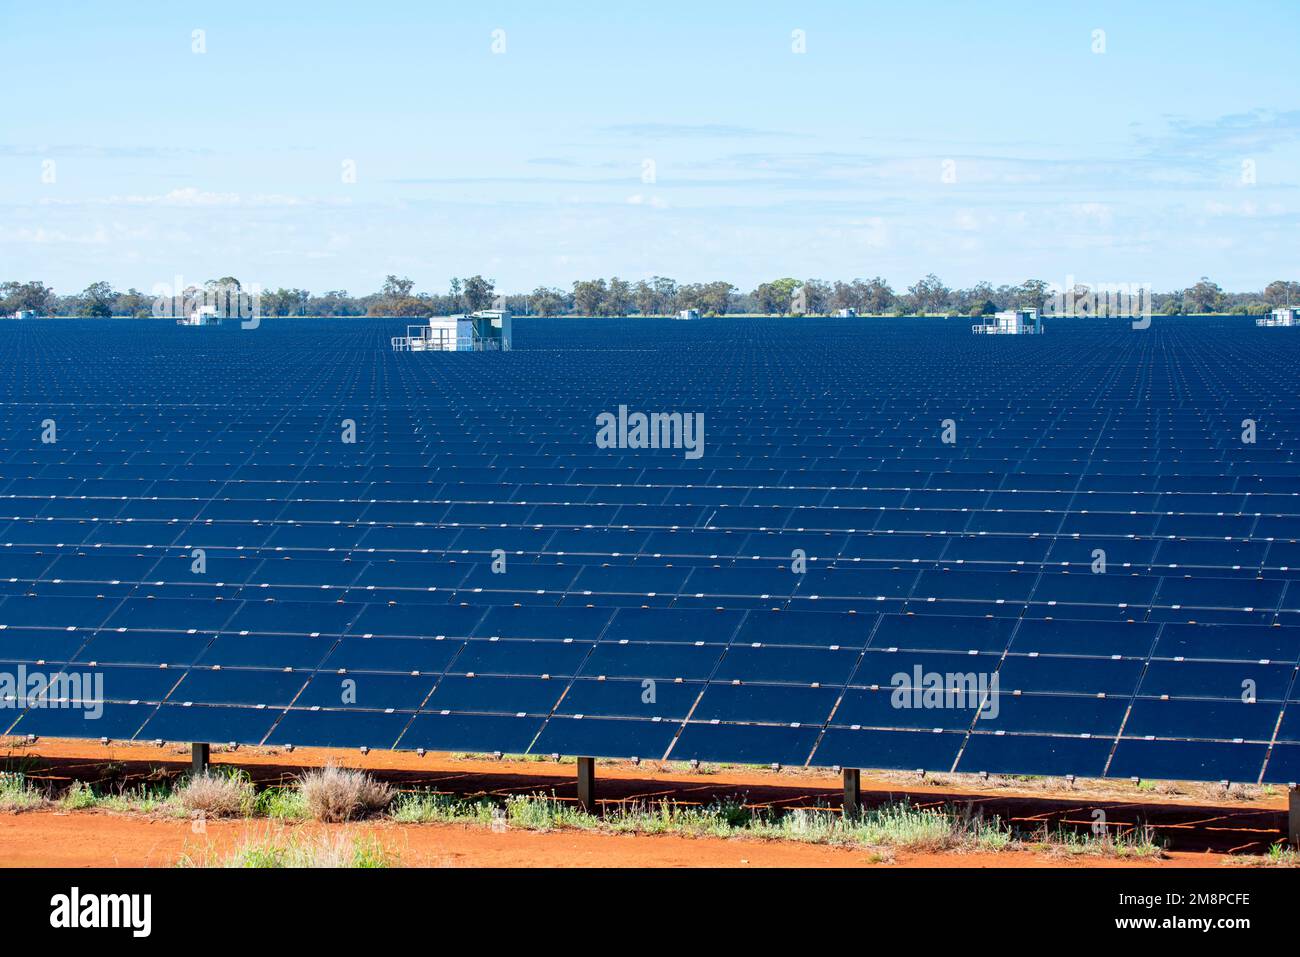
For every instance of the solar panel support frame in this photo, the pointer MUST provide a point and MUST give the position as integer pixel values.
(1293, 816)
(587, 785)
(199, 756)
(852, 792)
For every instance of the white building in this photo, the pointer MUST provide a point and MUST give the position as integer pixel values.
(847, 314)
(488, 330)
(689, 314)
(201, 315)
(1011, 322)
(1285, 316)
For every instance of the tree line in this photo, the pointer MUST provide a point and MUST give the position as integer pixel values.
(657, 296)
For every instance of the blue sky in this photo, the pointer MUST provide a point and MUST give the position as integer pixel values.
(975, 140)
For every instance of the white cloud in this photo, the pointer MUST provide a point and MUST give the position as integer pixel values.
(189, 196)
(640, 199)
(1245, 208)
(42, 236)
(1099, 214)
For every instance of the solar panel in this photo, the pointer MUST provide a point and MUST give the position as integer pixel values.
(1096, 578)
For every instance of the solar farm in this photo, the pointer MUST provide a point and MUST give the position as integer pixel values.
(900, 547)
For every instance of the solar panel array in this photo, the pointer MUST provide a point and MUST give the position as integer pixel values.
(1097, 529)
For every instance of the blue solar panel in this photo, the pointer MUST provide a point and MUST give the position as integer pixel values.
(750, 744)
(240, 687)
(224, 724)
(501, 695)
(878, 708)
(111, 720)
(631, 698)
(366, 691)
(650, 604)
(1061, 675)
(1035, 754)
(397, 655)
(897, 750)
(624, 659)
(605, 737)
(435, 731)
(339, 729)
(1100, 717)
(773, 704)
(1191, 760)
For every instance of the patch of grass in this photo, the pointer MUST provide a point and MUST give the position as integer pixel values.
(17, 795)
(218, 793)
(671, 817)
(335, 794)
(661, 817)
(78, 797)
(282, 804)
(1279, 855)
(321, 850)
(540, 812)
(430, 808)
(143, 799)
(1138, 843)
(897, 826)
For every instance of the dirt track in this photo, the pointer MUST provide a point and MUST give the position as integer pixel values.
(95, 839)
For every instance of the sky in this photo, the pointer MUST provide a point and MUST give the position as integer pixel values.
(325, 145)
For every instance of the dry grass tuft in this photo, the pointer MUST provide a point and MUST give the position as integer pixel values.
(334, 794)
(218, 795)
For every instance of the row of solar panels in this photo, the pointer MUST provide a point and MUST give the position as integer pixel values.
(652, 575)
(75, 521)
(564, 557)
(1150, 493)
(89, 519)
(688, 664)
(1076, 595)
(801, 682)
(32, 443)
(998, 751)
(106, 438)
(1048, 636)
(599, 482)
(1235, 512)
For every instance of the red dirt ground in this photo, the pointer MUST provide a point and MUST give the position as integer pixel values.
(1197, 833)
(96, 839)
